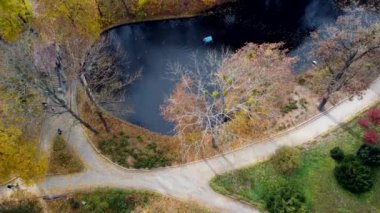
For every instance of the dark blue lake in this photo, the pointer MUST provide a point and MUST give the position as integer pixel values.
(153, 46)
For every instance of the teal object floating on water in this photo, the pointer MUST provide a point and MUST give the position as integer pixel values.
(207, 39)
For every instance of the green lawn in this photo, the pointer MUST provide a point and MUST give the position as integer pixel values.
(315, 178)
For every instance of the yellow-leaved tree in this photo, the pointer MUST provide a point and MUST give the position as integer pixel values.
(14, 17)
(20, 157)
(65, 19)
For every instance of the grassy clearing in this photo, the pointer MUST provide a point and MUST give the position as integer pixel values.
(315, 178)
(113, 200)
(125, 142)
(62, 159)
(133, 152)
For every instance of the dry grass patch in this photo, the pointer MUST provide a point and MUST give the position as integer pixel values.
(63, 160)
(20, 202)
(114, 200)
(138, 138)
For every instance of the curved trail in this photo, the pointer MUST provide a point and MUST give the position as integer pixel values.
(190, 181)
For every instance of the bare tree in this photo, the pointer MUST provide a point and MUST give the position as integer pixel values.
(104, 75)
(244, 90)
(370, 4)
(35, 66)
(348, 54)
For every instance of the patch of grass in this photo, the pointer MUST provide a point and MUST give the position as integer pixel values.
(130, 152)
(114, 200)
(315, 177)
(138, 138)
(21, 206)
(292, 105)
(63, 160)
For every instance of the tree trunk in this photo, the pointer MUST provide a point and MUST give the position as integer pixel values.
(125, 7)
(84, 123)
(99, 10)
(323, 103)
(213, 142)
(52, 95)
(104, 122)
(93, 101)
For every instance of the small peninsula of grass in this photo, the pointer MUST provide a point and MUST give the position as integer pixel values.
(63, 160)
(314, 178)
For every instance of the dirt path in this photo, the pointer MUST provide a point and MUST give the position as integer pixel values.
(190, 181)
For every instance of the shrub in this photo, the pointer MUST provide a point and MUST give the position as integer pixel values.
(74, 204)
(371, 137)
(374, 115)
(337, 154)
(288, 200)
(144, 155)
(113, 201)
(369, 155)
(292, 105)
(352, 175)
(364, 122)
(370, 123)
(287, 160)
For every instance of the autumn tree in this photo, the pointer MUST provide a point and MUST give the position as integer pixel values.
(20, 113)
(20, 105)
(15, 16)
(74, 27)
(19, 157)
(71, 25)
(347, 53)
(229, 96)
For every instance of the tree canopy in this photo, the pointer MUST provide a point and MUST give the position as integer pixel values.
(19, 157)
(14, 17)
(226, 97)
(348, 56)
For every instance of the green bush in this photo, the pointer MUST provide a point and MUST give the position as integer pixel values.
(292, 105)
(287, 160)
(74, 204)
(151, 158)
(369, 155)
(286, 200)
(112, 201)
(352, 175)
(337, 154)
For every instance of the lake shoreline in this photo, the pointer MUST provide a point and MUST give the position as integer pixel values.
(222, 5)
